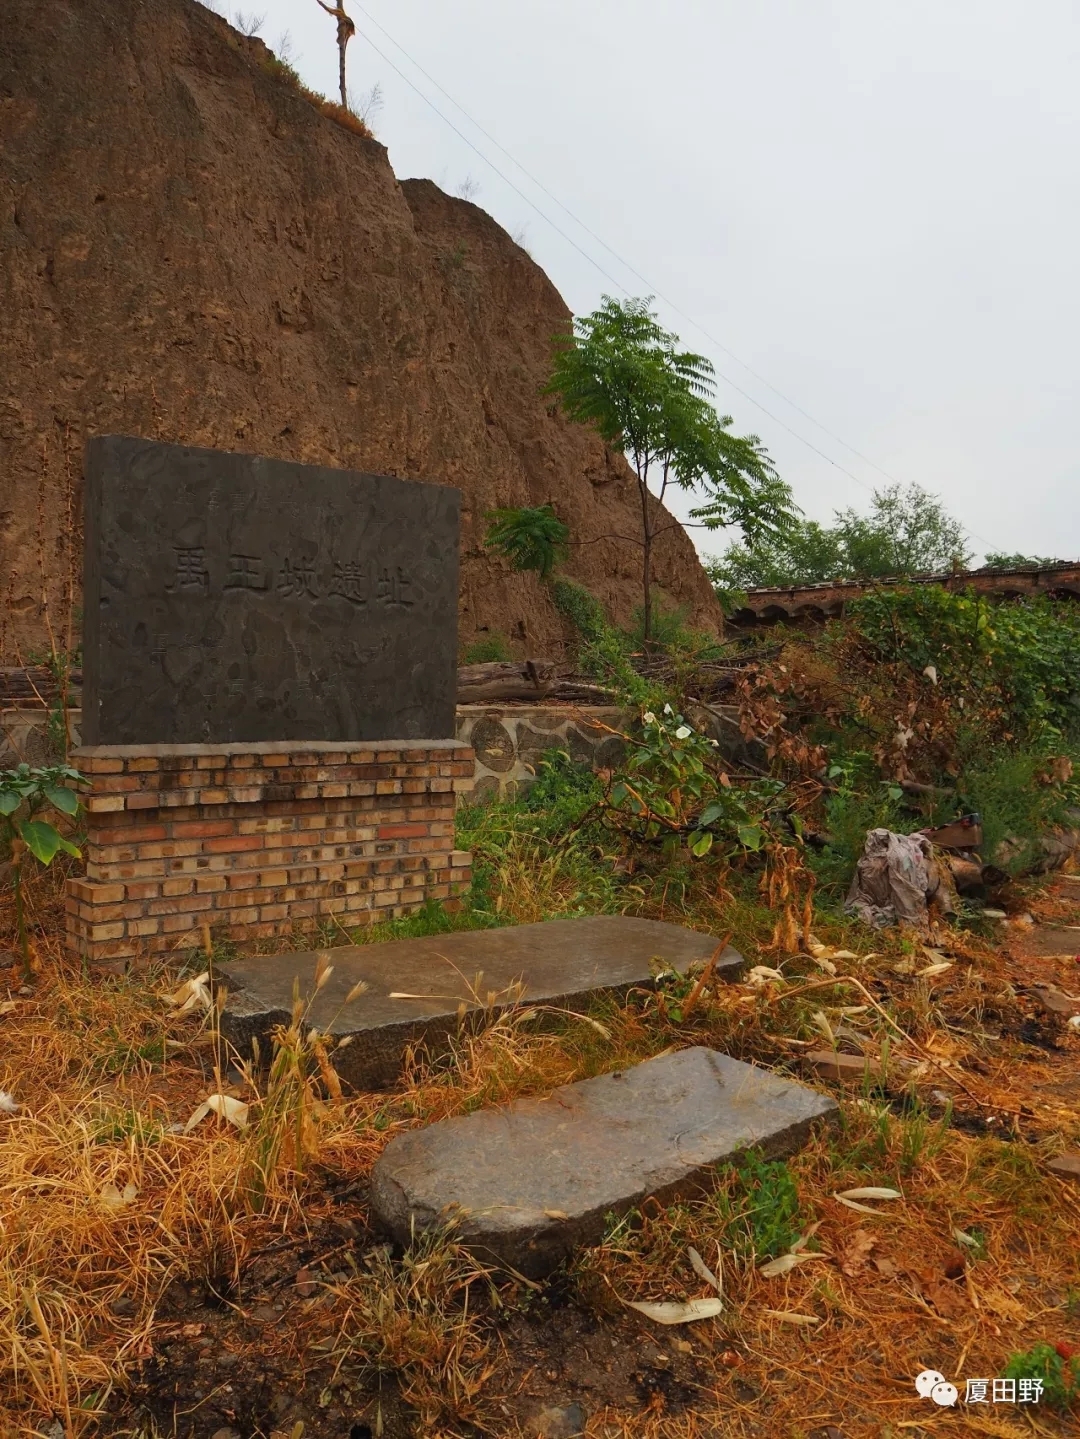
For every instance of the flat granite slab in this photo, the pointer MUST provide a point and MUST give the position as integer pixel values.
(529, 1183)
(561, 962)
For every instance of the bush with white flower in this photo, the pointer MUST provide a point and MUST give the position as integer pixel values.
(674, 788)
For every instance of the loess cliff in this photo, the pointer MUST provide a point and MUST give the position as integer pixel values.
(190, 250)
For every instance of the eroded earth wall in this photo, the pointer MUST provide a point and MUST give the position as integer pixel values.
(191, 251)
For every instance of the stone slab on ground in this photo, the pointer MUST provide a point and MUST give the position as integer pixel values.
(1066, 1166)
(531, 1182)
(560, 962)
(841, 1068)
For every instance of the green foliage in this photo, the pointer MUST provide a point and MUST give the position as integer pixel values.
(1017, 659)
(26, 793)
(761, 1212)
(907, 532)
(998, 560)
(1009, 788)
(60, 663)
(1060, 1377)
(604, 651)
(673, 636)
(672, 789)
(620, 371)
(531, 539)
(489, 650)
(563, 792)
(431, 918)
(849, 815)
(540, 853)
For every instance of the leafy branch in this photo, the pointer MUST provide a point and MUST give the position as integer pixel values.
(25, 793)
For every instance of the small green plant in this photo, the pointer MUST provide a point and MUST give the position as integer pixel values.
(128, 1127)
(921, 1137)
(673, 635)
(25, 794)
(530, 538)
(761, 1215)
(673, 789)
(59, 663)
(490, 650)
(1060, 1376)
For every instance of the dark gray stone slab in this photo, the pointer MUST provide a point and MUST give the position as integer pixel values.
(232, 598)
(531, 1182)
(561, 962)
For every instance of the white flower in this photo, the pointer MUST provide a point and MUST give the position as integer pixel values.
(683, 732)
(649, 717)
(668, 710)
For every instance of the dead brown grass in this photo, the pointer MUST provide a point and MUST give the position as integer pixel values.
(102, 1200)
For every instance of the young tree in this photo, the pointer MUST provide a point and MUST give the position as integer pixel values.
(345, 31)
(619, 370)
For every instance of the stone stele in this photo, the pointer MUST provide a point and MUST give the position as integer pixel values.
(529, 1183)
(416, 988)
(230, 598)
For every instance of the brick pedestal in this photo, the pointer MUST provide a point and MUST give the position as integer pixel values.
(260, 839)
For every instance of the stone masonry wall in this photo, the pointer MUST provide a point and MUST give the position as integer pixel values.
(509, 741)
(256, 840)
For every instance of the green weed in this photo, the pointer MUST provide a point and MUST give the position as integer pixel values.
(490, 649)
(126, 1126)
(760, 1212)
(1060, 1378)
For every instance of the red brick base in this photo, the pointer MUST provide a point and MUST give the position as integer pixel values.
(260, 839)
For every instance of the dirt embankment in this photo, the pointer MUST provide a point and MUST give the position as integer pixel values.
(191, 251)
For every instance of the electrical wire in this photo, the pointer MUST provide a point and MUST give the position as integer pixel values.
(624, 263)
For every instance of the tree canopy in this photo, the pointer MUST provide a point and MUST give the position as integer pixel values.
(907, 532)
(999, 560)
(620, 371)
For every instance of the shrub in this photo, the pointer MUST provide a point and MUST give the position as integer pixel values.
(1012, 665)
(1018, 802)
(531, 539)
(604, 652)
(25, 795)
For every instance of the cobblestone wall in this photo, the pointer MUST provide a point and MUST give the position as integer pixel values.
(509, 741)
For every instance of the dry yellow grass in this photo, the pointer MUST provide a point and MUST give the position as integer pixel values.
(102, 1200)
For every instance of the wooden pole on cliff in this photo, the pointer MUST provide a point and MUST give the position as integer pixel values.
(345, 31)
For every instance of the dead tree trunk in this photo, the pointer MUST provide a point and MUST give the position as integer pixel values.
(345, 31)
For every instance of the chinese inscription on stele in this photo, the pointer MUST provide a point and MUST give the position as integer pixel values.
(232, 598)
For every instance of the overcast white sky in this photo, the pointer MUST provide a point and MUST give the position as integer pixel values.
(873, 205)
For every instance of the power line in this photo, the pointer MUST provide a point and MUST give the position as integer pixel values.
(622, 261)
(625, 263)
